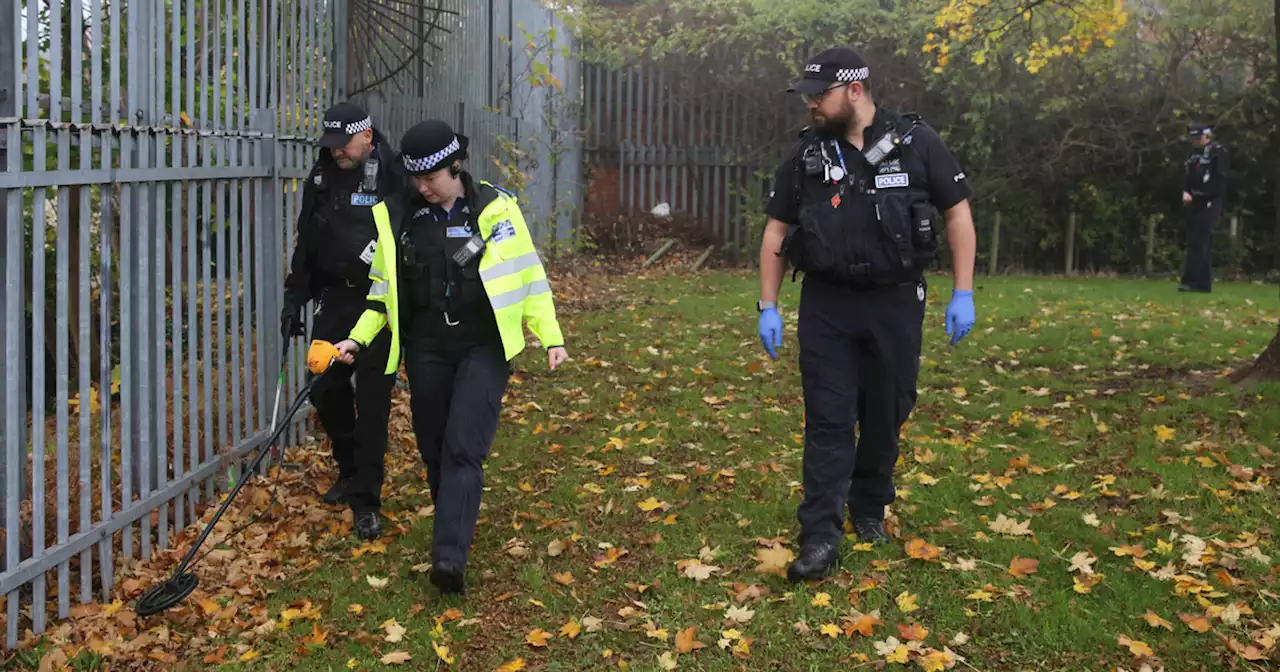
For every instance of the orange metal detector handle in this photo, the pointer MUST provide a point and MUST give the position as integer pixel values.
(320, 356)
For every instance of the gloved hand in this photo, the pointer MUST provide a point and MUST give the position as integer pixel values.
(291, 322)
(770, 329)
(960, 315)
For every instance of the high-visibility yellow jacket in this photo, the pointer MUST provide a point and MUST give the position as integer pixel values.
(510, 270)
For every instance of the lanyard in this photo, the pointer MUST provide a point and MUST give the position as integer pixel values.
(840, 155)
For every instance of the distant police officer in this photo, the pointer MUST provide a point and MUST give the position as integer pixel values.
(355, 170)
(1203, 192)
(855, 209)
(456, 277)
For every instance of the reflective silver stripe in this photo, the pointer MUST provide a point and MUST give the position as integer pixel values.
(520, 263)
(379, 288)
(515, 296)
(376, 274)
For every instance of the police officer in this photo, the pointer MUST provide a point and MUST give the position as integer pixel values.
(855, 208)
(1203, 191)
(355, 169)
(455, 277)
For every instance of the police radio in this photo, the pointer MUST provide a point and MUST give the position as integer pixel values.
(813, 163)
(468, 251)
(877, 152)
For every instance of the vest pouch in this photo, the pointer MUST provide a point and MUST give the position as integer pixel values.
(924, 218)
(893, 257)
(817, 243)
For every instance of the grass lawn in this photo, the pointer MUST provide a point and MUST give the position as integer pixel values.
(1080, 436)
(1078, 490)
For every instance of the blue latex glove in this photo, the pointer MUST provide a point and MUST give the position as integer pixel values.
(960, 315)
(770, 331)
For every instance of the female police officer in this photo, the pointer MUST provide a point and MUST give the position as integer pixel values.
(456, 285)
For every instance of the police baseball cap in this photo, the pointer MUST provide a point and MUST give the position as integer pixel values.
(1197, 130)
(341, 122)
(430, 146)
(838, 65)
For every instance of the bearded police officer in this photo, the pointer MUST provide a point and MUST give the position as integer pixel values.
(456, 280)
(855, 208)
(355, 170)
(1203, 191)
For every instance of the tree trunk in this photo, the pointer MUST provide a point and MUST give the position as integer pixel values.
(1267, 366)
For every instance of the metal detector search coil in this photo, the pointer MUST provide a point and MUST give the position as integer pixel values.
(183, 582)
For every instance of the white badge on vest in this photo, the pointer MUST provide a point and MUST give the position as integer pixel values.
(892, 180)
(457, 232)
(367, 255)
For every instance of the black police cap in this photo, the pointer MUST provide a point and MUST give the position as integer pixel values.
(341, 122)
(832, 66)
(430, 146)
(1197, 130)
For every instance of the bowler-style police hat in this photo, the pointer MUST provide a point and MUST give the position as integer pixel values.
(1197, 130)
(431, 146)
(341, 122)
(838, 65)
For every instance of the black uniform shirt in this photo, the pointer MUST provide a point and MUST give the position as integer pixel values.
(1206, 175)
(946, 181)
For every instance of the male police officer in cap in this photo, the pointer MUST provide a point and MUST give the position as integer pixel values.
(355, 169)
(855, 208)
(1203, 191)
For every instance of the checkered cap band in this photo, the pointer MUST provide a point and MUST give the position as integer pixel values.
(852, 74)
(359, 126)
(426, 163)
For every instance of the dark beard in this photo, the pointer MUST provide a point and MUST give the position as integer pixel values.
(834, 128)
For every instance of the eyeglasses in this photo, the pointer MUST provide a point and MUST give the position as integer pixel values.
(818, 97)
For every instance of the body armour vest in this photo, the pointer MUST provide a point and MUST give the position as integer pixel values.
(872, 227)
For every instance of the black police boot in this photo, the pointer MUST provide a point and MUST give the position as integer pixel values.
(367, 525)
(337, 493)
(448, 577)
(815, 562)
(871, 530)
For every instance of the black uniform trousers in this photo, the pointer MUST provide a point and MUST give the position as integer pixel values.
(859, 360)
(456, 402)
(1201, 216)
(355, 419)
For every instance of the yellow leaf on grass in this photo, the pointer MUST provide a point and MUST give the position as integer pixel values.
(571, 629)
(563, 578)
(907, 602)
(1153, 619)
(1164, 434)
(980, 595)
(830, 630)
(1023, 567)
(376, 582)
(1005, 525)
(821, 600)
(666, 661)
(249, 655)
(442, 652)
(1136, 647)
(687, 640)
(512, 666)
(863, 625)
(356, 609)
(396, 658)
(774, 560)
(1197, 623)
(922, 550)
(537, 637)
(912, 633)
(936, 661)
(650, 504)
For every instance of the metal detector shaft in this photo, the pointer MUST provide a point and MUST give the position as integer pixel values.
(244, 478)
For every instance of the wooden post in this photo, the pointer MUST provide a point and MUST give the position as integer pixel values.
(1071, 244)
(995, 246)
(1148, 263)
